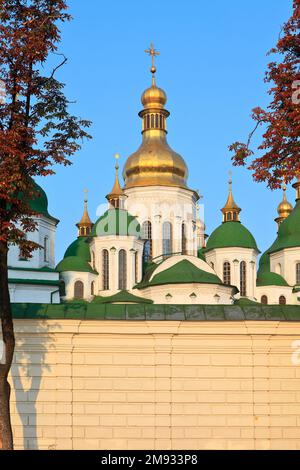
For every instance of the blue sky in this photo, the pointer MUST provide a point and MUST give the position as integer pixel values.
(211, 65)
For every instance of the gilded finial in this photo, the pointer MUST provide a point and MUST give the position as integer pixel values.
(117, 156)
(116, 194)
(284, 208)
(152, 52)
(230, 180)
(85, 224)
(231, 210)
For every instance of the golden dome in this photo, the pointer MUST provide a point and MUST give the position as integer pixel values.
(284, 208)
(154, 163)
(154, 97)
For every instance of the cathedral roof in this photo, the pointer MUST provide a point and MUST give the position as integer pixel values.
(183, 272)
(77, 257)
(231, 234)
(265, 277)
(116, 222)
(289, 231)
(39, 202)
(122, 296)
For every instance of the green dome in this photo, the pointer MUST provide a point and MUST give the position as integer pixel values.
(39, 202)
(231, 234)
(79, 248)
(116, 222)
(201, 253)
(264, 275)
(183, 272)
(77, 257)
(289, 231)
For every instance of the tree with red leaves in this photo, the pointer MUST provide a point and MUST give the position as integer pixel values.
(36, 132)
(280, 148)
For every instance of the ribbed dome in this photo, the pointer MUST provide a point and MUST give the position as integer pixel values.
(155, 163)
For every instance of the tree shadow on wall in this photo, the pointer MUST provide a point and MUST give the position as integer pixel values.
(33, 341)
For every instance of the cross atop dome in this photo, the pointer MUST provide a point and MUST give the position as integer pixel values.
(153, 53)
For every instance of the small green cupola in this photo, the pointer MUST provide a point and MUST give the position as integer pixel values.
(39, 202)
(231, 233)
(78, 256)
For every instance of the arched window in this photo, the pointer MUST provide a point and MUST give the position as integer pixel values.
(264, 299)
(93, 260)
(147, 121)
(243, 279)
(167, 238)
(93, 288)
(228, 215)
(82, 231)
(282, 300)
(160, 121)
(147, 235)
(298, 273)
(122, 270)
(46, 249)
(183, 239)
(78, 290)
(226, 273)
(136, 266)
(105, 270)
(234, 216)
(152, 121)
(156, 120)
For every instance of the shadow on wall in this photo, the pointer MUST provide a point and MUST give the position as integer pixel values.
(33, 342)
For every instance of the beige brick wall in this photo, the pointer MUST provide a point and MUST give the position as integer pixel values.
(156, 385)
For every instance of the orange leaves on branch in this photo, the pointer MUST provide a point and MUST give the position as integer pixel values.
(278, 154)
(36, 127)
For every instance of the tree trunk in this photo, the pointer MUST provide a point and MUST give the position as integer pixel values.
(9, 341)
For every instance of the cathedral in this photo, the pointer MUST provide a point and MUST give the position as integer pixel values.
(150, 245)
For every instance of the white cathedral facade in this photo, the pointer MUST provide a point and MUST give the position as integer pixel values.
(150, 246)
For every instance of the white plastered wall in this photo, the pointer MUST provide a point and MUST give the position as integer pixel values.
(284, 262)
(114, 244)
(235, 256)
(159, 204)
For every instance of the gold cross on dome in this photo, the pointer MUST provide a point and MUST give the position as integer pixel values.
(152, 52)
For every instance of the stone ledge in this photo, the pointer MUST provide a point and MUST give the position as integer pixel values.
(142, 312)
